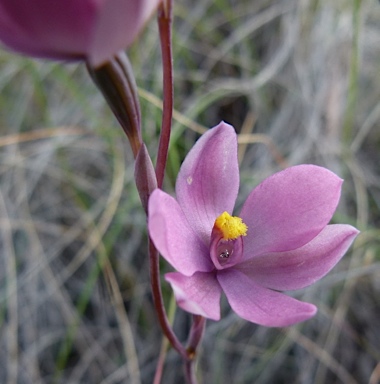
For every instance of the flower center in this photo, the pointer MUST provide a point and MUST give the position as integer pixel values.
(231, 227)
(226, 247)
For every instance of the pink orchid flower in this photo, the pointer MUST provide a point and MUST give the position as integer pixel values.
(92, 30)
(281, 240)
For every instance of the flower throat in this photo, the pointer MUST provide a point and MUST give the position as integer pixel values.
(226, 247)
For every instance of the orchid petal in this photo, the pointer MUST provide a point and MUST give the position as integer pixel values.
(47, 28)
(198, 294)
(261, 305)
(94, 30)
(297, 269)
(289, 209)
(173, 237)
(129, 16)
(208, 182)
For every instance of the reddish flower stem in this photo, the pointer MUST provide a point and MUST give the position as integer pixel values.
(159, 302)
(165, 30)
(196, 332)
(195, 336)
(189, 372)
(164, 25)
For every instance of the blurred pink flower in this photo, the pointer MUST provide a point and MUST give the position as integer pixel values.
(281, 240)
(93, 30)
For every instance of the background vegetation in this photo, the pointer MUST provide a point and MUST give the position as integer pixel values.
(299, 80)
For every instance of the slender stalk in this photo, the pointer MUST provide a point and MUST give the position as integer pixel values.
(159, 302)
(196, 332)
(190, 372)
(165, 30)
(195, 336)
(164, 344)
(164, 25)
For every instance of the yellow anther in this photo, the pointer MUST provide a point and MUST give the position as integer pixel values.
(231, 227)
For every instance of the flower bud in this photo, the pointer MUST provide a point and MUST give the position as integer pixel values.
(116, 81)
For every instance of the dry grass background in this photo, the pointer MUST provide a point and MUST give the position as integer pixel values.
(299, 80)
